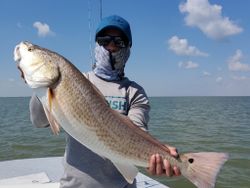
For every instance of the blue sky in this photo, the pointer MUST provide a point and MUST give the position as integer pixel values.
(180, 48)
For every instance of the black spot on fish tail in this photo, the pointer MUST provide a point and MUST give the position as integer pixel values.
(191, 160)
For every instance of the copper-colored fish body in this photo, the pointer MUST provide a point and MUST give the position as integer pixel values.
(72, 102)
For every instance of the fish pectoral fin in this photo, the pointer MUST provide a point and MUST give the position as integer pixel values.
(128, 171)
(54, 125)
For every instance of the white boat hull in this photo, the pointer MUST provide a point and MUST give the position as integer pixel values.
(46, 172)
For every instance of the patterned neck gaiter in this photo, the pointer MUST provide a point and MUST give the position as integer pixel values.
(110, 65)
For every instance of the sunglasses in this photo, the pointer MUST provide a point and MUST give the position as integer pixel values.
(117, 40)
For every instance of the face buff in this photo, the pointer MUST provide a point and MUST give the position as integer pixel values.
(110, 65)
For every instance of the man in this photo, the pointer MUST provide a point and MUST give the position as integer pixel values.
(83, 168)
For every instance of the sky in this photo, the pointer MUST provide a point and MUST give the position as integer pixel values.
(180, 47)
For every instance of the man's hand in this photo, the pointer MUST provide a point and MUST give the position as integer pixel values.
(158, 166)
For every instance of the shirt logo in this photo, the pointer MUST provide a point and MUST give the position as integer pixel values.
(117, 103)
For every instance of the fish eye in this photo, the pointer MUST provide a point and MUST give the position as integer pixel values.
(30, 48)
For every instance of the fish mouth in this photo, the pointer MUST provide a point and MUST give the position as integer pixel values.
(21, 72)
(17, 58)
(17, 54)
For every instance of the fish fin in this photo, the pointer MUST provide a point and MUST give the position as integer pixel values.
(54, 125)
(128, 171)
(50, 97)
(203, 168)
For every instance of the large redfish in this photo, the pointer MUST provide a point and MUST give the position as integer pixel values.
(72, 102)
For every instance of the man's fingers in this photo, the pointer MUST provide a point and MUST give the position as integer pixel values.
(168, 169)
(158, 164)
(177, 171)
(152, 162)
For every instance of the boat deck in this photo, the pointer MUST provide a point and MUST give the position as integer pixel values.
(46, 172)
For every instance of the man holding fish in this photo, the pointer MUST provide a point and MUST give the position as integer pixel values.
(84, 168)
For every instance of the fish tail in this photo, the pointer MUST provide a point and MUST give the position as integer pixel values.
(203, 168)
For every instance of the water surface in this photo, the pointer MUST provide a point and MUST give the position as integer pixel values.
(191, 124)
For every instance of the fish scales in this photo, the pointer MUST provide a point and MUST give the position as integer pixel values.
(110, 134)
(71, 101)
(109, 129)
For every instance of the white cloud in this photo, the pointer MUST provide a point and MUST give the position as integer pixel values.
(205, 73)
(219, 79)
(43, 29)
(234, 62)
(240, 78)
(188, 65)
(208, 18)
(181, 47)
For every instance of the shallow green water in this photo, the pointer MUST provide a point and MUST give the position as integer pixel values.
(188, 123)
